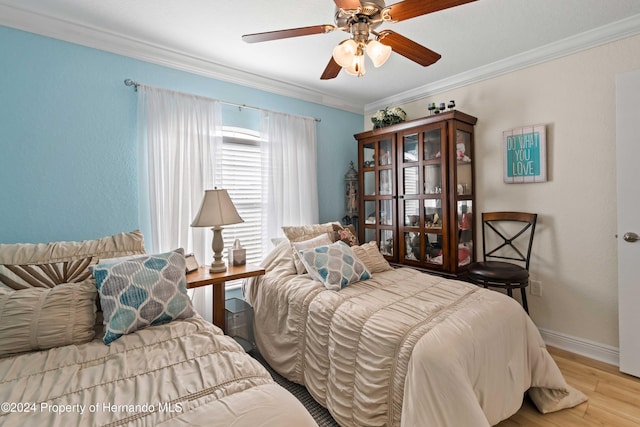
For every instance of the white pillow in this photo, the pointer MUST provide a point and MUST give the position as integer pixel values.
(298, 247)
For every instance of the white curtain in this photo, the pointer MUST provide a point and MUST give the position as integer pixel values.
(180, 139)
(180, 156)
(290, 168)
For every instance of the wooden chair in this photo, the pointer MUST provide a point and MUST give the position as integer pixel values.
(499, 231)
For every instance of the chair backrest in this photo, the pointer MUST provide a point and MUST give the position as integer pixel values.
(501, 229)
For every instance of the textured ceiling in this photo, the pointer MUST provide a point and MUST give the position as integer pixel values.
(204, 36)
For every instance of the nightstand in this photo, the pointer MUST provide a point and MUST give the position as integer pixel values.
(202, 277)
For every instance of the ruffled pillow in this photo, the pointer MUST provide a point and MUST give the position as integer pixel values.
(298, 233)
(370, 255)
(43, 318)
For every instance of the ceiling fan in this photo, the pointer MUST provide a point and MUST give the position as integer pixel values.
(360, 18)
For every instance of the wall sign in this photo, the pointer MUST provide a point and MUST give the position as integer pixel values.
(525, 154)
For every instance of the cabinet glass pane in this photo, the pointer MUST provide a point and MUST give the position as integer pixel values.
(410, 180)
(432, 179)
(432, 145)
(411, 213)
(370, 212)
(433, 248)
(463, 146)
(369, 183)
(386, 242)
(433, 213)
(385, 182)
(410, 148)
(412, 246)
(386, 213)
(463, 163)
(465, 231)
(368, 155)
(370, 235)
(385, 155)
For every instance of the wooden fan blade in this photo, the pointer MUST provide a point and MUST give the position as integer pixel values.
(408, 48)
(283, 34)
(331, 71)
(348, 4)
(408, 9)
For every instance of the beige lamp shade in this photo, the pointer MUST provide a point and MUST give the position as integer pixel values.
(216, 209)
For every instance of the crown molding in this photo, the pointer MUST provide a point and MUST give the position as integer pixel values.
(101, 39)
(624, 28)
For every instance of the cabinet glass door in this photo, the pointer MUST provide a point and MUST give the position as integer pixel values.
(465, 232)
(377, 163)
(463, 163)
(464, 197)
(433, 237)
(434, 188)
(421, 183)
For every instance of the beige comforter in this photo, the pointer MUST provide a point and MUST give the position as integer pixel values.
(404, 348)
(185, 373)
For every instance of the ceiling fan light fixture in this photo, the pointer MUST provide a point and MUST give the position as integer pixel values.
(345, 53)
(378, 52)
(356, 68)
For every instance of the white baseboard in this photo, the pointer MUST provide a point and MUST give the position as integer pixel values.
(590, 349)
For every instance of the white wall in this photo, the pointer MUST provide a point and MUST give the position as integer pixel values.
(574, 253)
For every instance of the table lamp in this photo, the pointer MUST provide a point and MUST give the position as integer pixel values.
(216, 210)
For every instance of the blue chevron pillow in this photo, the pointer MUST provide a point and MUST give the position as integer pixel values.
(143, 291)
(335, 265)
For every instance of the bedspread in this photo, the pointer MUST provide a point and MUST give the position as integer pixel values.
(184, 373)
(404, 348)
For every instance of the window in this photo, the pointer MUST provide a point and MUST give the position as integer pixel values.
(242, 178)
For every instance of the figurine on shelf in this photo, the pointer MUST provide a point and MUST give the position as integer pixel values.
(385, 157)
(461, 147)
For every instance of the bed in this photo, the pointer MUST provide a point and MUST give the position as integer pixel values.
(398, 346)
(182, 371)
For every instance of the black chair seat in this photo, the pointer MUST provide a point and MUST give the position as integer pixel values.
(498, 272)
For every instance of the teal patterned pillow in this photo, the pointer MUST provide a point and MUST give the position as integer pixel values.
(335, 265)
(143, 291)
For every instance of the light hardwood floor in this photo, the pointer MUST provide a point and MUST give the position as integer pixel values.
(614, 398)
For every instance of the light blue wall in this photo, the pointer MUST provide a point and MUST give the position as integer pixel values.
(68, 137)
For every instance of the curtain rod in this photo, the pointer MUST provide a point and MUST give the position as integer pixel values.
(129, 82)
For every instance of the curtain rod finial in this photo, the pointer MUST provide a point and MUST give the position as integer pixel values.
(129, 82)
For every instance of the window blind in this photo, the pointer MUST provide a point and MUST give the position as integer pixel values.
(242, 178)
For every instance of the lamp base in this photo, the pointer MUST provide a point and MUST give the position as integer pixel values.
(220, 267)
(217, 245)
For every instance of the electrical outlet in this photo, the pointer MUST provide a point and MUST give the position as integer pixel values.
(536, 287)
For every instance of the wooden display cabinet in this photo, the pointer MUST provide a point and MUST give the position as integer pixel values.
(417, 198)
